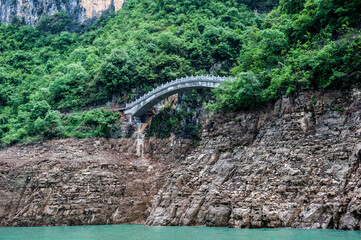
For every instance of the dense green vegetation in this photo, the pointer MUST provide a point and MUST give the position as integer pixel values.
(302, 44)
(58, 65)
(181, 118)
(123, 55)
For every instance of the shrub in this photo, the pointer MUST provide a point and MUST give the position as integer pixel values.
(242, 92)
(94, 123)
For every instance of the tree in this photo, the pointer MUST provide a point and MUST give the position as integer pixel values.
(117, 71)
(292, 6)
(244, 92)
(57, 23)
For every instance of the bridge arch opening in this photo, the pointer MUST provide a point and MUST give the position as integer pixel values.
(141, 106)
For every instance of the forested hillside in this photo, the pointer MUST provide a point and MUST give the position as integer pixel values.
(272, 49)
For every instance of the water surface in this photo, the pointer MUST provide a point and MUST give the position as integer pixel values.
(141, 232)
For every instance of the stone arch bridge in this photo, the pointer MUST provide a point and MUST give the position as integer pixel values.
(140, 107)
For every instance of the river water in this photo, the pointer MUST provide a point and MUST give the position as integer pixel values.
(140, 232)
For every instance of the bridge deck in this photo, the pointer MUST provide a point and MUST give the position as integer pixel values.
(140, 106)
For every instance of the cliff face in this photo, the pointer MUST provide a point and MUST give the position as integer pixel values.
(294, 165)
(77, 182)
(32, 10)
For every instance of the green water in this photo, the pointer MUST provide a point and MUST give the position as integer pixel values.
(135, 232)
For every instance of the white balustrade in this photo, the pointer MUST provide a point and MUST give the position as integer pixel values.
(185, 81)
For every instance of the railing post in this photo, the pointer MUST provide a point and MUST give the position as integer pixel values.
(194, 80)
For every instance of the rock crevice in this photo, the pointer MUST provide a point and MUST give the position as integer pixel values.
(32, 10)
(296, 164)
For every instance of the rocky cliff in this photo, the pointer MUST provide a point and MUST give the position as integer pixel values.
(295, 164)
(32, 10)
(77, 182)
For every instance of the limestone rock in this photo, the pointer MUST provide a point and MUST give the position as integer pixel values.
(32, 10)
(82, 182)
(294, 164)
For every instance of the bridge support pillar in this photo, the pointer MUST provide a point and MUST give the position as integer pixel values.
(137, 119)
(129, 118)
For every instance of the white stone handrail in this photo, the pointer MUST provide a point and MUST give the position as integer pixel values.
(140, 107)
(214, 79)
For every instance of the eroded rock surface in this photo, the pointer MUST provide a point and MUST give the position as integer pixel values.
(32, 10)
(77, 182)
(295, 165)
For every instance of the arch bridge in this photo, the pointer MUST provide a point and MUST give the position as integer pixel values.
(140, 107)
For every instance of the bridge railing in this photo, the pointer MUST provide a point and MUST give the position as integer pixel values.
(175, 82)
